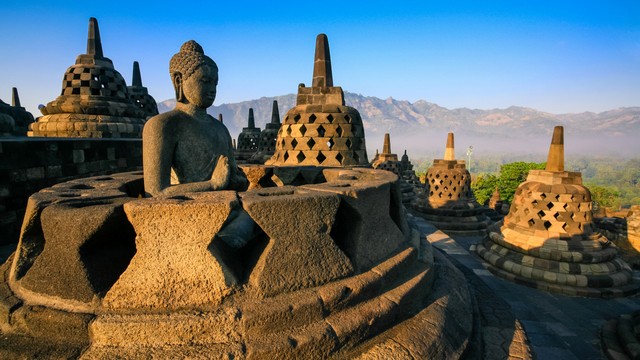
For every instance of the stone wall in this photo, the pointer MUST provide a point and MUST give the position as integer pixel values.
(30, 164)
(623, 229)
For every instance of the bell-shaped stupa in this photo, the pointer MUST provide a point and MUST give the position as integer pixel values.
(548, 240)
(389, 161)
(139, 94)
(248, 139)
(94, 102)
(447, 200)
(321, 130)
(268, 137)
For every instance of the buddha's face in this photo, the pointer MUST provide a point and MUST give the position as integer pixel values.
(200, 88)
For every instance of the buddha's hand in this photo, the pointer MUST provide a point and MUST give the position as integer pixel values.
(221, 174)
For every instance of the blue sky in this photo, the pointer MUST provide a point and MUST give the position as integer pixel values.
(555, 56)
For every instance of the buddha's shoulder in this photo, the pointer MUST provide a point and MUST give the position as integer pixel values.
(169, 120)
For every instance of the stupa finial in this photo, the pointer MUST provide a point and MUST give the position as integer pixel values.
(449, 152)
(386, 147)
(555, 160)
(252, 122)
(15, 99)
(322, 76)
(275, 113)
(94, 44)
(137, 78)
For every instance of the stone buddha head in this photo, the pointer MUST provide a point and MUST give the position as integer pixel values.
(194, 75)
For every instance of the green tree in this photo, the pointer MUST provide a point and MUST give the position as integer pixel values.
(512, 175)
(483, 187)
(604, 196)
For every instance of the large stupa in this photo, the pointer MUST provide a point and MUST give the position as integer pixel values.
(94, 102)
(548, 240)
(321, 130)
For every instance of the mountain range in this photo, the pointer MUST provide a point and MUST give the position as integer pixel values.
(421, 126)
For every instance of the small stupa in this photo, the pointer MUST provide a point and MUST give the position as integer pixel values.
(268, 137)
(14, 119)
(408, 174)
(321, 130)
(389, 161)
(139, 94)
(548, 240)
(447, 200)
(94, 101)
(248, 139)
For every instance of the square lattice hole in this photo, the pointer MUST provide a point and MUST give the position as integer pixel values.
(547, 224)
(540, 214)
(550, 206)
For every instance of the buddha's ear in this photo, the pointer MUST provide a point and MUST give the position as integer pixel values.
(176, 78)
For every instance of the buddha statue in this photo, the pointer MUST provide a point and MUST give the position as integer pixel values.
(187, 150)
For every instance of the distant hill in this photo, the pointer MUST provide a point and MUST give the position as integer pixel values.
(421, 127)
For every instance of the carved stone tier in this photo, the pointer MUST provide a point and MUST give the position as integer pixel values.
(333, 271)
(621, 337)
(94, 102)
(548, 240)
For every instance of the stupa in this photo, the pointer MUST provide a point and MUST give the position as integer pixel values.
(621, 337)
(547, 240)
(14, 119)
(389, 161)
(447, 201)
(139, 94)
(94, 102)
(248, 139)
(268, 137)
(408, 174)
(332, 270)
(321, 130)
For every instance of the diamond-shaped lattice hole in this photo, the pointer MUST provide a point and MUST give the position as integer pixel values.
(330, 143)
(449, 195)
(330, 118)
(543, 196)
(339, 157)
(540, 214)
(564, 226)
(347, 118)
(454, 177)
(312, 118)
(572, 196)
(321, 131)
(454, 189)
(296, 118)
(556, 215)
(547, 224)
(339, 131)
(294, 143)
(321, 158)
(564, 206)
(311, 143)
(534, 203)
(348, 143)
(580, 226)
(286, 155)
(286, 118)
(300, 157)
(526, 211)
(437, 176)
(289, 130)
(303, 129)
(437, 187)
(558, 197)
(531, 222)
(446, 176)
(550, 205)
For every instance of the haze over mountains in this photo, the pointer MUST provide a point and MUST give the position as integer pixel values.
(421, 127)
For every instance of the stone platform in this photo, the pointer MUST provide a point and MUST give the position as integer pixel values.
(334, 271)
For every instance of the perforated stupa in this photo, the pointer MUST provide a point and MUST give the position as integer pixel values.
(94, 101)
(548, 241)
(321, 130)
(248, 139)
